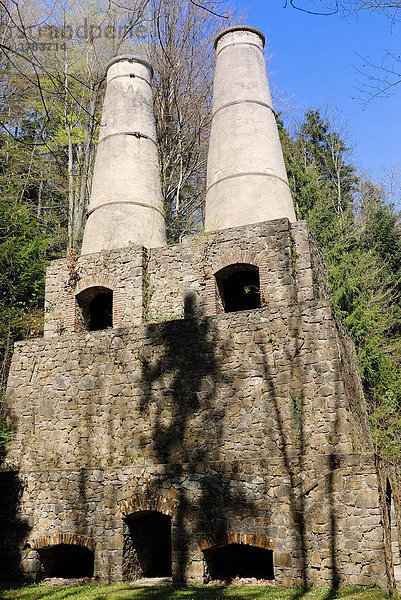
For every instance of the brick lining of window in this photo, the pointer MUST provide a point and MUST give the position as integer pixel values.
(63, 538)
(95, 281)
(259, 541)
(210, 291)
(142, 502)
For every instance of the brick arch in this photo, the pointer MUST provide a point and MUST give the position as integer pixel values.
(233, 257)
(143, 502)
(250, 539)
(85, 283)
(63, 538)
(96, 281)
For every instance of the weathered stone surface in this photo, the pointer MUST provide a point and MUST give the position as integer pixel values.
(248, 423)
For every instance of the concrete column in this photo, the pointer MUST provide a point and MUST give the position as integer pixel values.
(126, 202)
(246, 177)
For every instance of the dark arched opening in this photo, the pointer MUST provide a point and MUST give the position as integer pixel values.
(239, 560)
(239, 287)
(66, 561)
(147, 545)
(95, 308)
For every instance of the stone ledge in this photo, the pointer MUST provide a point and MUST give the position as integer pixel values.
(275, 308)
(365, 459)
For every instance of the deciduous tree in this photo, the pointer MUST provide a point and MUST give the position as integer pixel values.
(180, 46)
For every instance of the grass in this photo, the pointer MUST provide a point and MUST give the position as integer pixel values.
(126, 591)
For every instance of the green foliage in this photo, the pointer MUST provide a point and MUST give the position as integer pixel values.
(362, 246)
(5, 437)
(31, 233)
(381, 230)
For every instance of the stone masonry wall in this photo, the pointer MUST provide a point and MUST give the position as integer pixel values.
(283, 252)
(249, 423)
(120, 271)
(254, 380)
(154, 284)
(320, 513)
(204, 398)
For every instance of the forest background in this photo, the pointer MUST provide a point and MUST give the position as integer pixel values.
(52, 71)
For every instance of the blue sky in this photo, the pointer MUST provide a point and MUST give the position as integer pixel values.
(314, 60)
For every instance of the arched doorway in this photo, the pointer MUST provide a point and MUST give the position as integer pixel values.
(147, 545)
(66, 561)
(228, 561)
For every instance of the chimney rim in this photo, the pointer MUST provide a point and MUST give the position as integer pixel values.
(239, 28)
(130, 58)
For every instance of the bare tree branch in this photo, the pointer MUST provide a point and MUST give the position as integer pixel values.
(375, 85)
(212, 12)
(312, 12)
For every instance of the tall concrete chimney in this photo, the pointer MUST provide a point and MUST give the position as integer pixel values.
(246, 177)
(126, 201)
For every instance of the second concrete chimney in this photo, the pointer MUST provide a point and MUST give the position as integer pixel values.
(126, 204)
(246, 177)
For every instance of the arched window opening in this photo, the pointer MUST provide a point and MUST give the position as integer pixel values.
(147, 545)
(227, 562)
(239, 287)
(95, 306)
(66, 561)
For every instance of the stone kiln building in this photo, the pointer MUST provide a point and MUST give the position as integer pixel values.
(194, 410)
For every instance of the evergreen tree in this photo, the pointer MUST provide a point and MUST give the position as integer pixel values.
(362, 251)
(381, 229)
